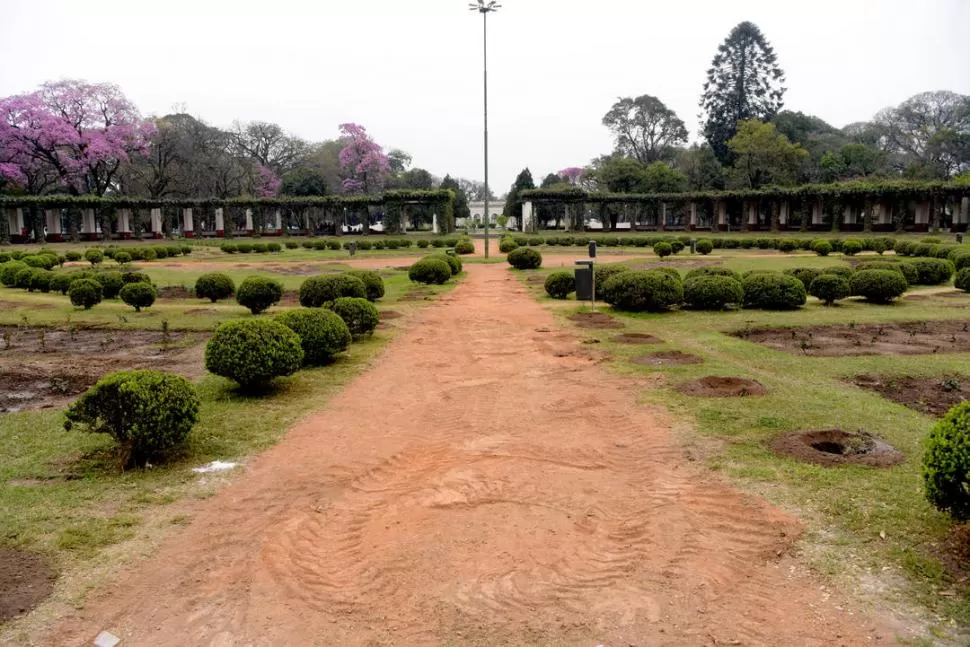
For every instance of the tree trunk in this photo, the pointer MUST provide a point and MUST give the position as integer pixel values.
(774, 215)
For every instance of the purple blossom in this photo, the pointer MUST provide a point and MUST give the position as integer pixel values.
(363, 164)
(571, 174)
(267, 184)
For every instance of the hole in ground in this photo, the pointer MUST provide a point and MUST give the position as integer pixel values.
(832, 447)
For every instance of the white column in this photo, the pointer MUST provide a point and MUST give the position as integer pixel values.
(848, 216)
(220, 223)
(434, 224)
(124, 222)
(783, 214)
(817, 213)
(249, 220)
(923, 213)
(964, 216)
(527, 216)
(188, 226)
(156, 222)
(15, 220)
(88, 225)
(721, 214)
(693, 214)
(752, 214)
(279, 221)
(52, 218)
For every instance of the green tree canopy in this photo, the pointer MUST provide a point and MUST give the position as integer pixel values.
(645, 129)
(763, 156)
(700, 165)
(303, 182)
(460, 204)
(513, 209)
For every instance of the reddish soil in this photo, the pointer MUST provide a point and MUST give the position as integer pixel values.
(833, 447)
(931, 395)
(595, 321)
(25, 580)
(667, 358)
(911, 338)
(636, 338)
(387, 315)
(414, 511)
(43, 368)
(714, 386)
(175, 292)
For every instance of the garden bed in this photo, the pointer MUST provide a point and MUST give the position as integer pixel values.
(832, 447)
(930, 395)
(26, 579)
(636, 338)
(715, 386)
(595, 320)
(909, 338)
(667, 358)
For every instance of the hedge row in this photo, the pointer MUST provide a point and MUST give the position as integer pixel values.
(363, 244)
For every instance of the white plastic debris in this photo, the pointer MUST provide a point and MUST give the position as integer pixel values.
(106, 639)
(214, 466)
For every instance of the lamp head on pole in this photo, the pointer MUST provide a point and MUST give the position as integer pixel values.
(484, 7)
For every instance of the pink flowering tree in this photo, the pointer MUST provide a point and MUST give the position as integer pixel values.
(267, 184)
(363, 165)
(571, 174)
(78, 132)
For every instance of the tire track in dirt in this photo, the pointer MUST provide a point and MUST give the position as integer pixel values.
(482, 484)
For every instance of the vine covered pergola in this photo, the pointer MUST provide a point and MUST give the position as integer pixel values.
(60, 217)
(857, 206)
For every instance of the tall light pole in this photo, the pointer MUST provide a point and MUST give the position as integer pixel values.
(485, 8)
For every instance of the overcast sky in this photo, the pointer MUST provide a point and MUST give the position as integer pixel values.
(411, 72)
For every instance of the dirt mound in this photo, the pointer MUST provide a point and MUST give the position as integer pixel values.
(830, 447)
(595, 320)
(31, 388)
(636, 338)
(387, 315)
(714, 386)
(25, 580)
(667, 358)
(175, 292)
(931, 395)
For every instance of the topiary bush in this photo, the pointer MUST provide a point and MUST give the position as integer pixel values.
(423, 243)
(603, 273)
(39, 260)
(962, 282)
(878, 286)
(712, 292)
(960, 257)
(122, 258)
(804, 274)
(946, 463)
(712, 271)
(704, 246)
(111, 283)
(559, 285)
(185, 249)
(139, 295)
(323, 334)
(643, 290)
(147, 413)
(8, 272)
(73, 255)
(61, 282)
(259, 293)
(525, 258)
(676, 246)
(242, 248)
(360, 315)
(453, 262)
(373, 283)
(932, 271)
(465, 247)
(908, 270)
(214, 286)
(260, 248)
(252, 352)
(839, 270)
(94, 256)
(773, 291)
(663, 249)
(787, 245)
(507, 244)
(40, 280)
(317, 291)
(830, 288)
(430, 271)
(822, 247)
(85, 293)
(229, 248)
(852, 246)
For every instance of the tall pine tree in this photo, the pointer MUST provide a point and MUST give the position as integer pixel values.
(744, 83)
(461, 209)
(513, 208)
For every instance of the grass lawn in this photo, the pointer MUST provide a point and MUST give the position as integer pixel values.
(871, 527)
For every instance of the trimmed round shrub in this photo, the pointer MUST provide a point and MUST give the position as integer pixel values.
(122, 258)
(804, 274)
(292, 244)
(669, 271)
(148, 254)
(908, 270)
(840, 270)
(822, 247)
(317, 291)
(322, 333)
(258, 293)
(525, 258)
(73, 255)
(373, 283)
(430, 270)
(712, 292)
(274, 247)
(932, 240)
(61, 282)
(536, 241)
(946, 463)
(252, 352)
(453, 262)
(713, 271)
(94, 256)
(24, 276)
(214, 286)
(559, 285)
(8, 273)
(676, 246)
(704, 246)
(360, 315)
(40, 280)
(663, 249)
(603, 273)
(229, 248)
(111, 283)
(787, 245)
(507, 244)
(260, 248)
(773, 291)
(364, 245)
(331, 245)
(643, 290)
(85, 293)
(146, 412)
(172, 250)
(830, 288)
(465, 247)
(139, 295)
(242, 248)
(932, 271)
(878, 286)
(135, 277)
(185, 249)
(852, 246)
(962, 282)
(960, 257)
(39, 260)
(423, 243)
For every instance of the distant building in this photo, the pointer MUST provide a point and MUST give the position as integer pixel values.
(477, 209)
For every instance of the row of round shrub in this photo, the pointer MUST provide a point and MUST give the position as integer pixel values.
(251, 248)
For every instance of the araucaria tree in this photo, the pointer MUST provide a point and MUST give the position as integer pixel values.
(523, 182)
(744, 82)
(363, 164)
(645, 129)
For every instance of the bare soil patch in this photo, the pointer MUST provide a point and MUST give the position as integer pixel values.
(25, 580)
(715, 386)
(930, 395)
(566, 516)
(175, 292)
(198, 312)
(909, 338)
(387, 315)
(832, 447)
(595, 321)
(13, 305)
(667, 358)
(636, 338)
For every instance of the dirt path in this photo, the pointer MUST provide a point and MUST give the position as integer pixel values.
(485, 483)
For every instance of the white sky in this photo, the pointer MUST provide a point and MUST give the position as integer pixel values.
(411, 71)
